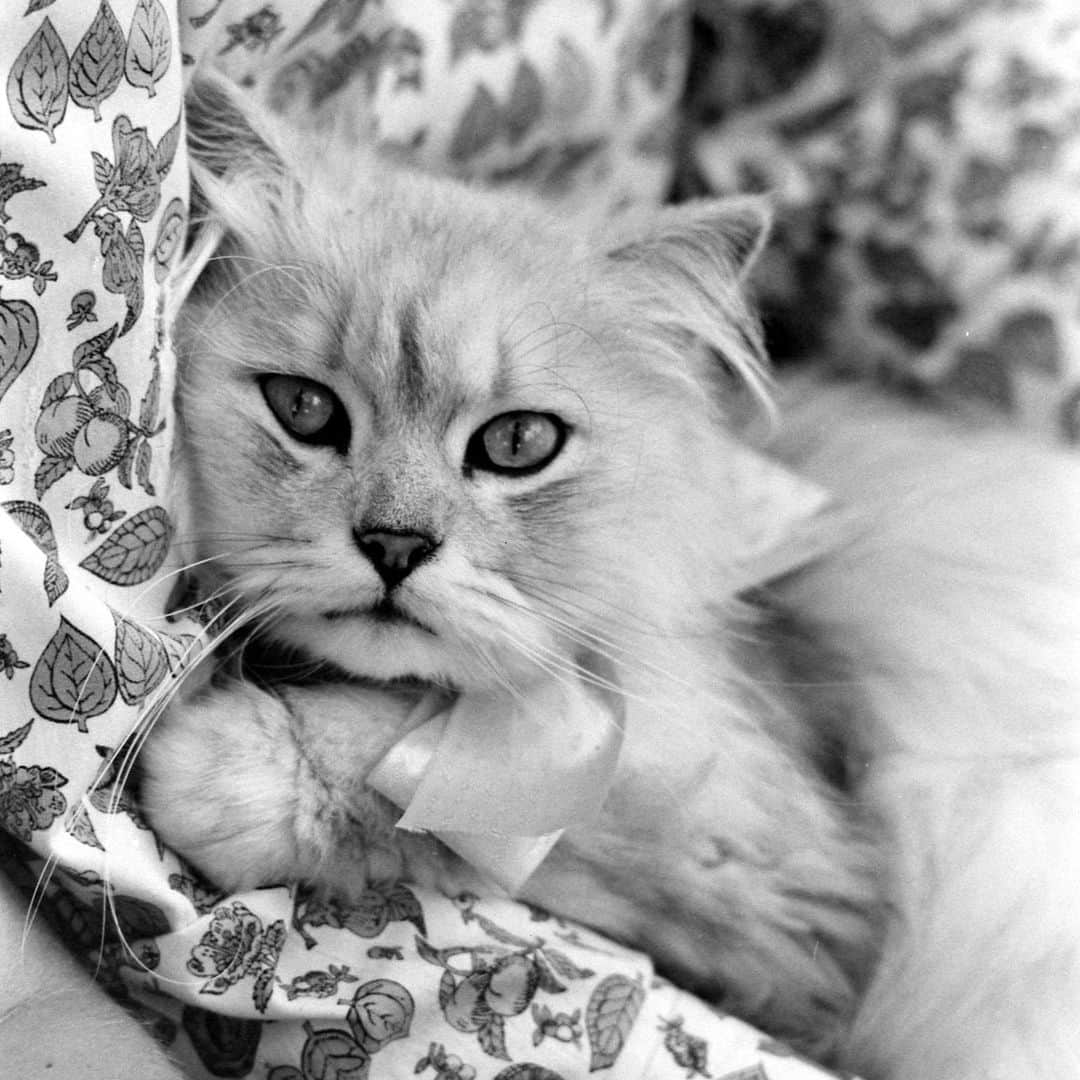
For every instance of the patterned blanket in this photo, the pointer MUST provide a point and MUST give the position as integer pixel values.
(926, 158)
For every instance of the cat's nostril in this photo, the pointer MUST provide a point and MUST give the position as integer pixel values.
(394, 555)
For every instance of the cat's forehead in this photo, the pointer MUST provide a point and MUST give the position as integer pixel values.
(463, 338)
(415, 345)
(436, 318)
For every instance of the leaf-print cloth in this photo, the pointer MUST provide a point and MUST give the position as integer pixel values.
(93, 204)
(935, 145)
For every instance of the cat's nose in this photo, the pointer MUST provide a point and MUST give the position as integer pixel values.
(395, 555)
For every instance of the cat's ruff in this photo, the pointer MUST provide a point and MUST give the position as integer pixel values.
(851, 806)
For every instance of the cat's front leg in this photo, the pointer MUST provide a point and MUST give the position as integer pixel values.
(256, 787)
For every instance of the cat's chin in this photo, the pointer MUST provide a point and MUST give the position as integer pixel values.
(381, 649)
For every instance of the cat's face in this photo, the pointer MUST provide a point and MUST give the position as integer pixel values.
(438, 435)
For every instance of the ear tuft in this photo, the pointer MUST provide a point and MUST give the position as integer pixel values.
(226, 131)
(237, 175)
(683, 269)
(732, 231)
(745, 225)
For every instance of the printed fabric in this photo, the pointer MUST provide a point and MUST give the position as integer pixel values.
(925, 159)
(93, 206)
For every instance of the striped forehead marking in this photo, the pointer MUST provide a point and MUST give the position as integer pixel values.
(413, 369)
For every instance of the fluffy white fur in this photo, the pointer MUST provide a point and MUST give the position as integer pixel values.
(920, 919)
(960, 609)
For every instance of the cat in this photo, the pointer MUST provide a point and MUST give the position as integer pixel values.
(431, 435)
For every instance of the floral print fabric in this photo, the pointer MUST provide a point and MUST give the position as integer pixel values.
(926, 159)
(574, 100)
(93, 207)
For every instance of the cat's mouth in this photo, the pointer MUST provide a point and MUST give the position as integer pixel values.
(384, 613)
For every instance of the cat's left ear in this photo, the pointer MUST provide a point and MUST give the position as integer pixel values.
(699, 237)
(683, 271)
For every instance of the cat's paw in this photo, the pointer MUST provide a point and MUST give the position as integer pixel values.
(258, 788)
(220, 784)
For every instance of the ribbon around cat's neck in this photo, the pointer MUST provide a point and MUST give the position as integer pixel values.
(499, 776)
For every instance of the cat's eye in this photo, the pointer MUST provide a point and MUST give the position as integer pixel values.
(307, 410)
(516, 443)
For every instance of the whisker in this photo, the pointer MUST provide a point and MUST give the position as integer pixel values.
(489, 662)
(247, 279)
(539, 661)
(554, 663)
(561, 330)
(601, 644)
(124, 758)
(551, 321)
(560, 605)
(647, 626)
(37, 897)
(121, 762)
(564, 604)
(225, 537)
(177, 572)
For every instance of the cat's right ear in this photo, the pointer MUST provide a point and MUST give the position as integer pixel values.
(227, 133)
(235, 170)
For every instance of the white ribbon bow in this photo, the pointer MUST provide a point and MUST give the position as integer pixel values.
(498, 777)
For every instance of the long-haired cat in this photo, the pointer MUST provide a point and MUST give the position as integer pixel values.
(434, 436)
